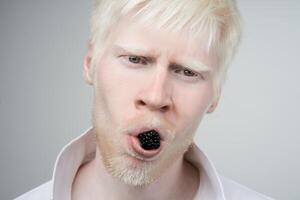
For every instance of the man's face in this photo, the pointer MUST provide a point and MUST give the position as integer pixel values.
(148, 79)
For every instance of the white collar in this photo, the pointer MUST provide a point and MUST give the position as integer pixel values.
(82, 149)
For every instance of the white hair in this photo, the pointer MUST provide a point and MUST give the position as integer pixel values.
(219, 20)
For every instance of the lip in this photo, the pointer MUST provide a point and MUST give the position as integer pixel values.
(136, 132)
(139, 152)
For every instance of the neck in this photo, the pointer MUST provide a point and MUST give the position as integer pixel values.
(92, 181)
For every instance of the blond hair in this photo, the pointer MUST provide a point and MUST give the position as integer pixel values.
(218, 19)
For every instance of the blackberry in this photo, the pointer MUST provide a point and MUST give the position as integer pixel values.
(149, 140)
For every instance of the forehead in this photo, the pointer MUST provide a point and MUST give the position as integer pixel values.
(147, 38)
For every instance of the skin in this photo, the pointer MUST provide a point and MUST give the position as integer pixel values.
(143, 78)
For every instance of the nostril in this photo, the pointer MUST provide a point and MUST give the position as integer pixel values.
(152, 106)
(164, 108)
(141, 102)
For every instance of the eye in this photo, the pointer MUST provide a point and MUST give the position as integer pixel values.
(186, 72)
(137, 60)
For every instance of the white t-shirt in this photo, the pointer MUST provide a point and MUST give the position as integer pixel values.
(82, 149)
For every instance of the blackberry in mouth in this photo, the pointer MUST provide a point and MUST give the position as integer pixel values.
(149, 140)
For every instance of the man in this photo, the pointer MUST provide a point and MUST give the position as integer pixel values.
(157, 67)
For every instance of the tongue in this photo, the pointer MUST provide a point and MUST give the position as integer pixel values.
(149, 140)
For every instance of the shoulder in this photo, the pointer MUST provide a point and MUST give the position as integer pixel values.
(236, 191)
(42, 192)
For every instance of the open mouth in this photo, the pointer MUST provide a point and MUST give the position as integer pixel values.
(149, 140)
(146, 144)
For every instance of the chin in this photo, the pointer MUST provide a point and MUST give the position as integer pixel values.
(136, 172)
(133, 171)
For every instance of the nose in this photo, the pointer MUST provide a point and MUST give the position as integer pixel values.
(157, 95)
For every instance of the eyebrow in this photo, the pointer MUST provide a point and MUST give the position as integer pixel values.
(191, 63)
(196, 65)
(132, 49)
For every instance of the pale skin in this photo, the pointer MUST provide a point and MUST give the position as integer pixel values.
(146, 74)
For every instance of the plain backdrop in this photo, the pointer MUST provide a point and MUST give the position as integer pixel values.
(253, 137)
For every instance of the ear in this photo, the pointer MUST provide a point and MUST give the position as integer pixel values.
(214, 104)
(87, 67)
(212, 107)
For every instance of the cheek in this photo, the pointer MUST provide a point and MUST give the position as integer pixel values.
(192, 105)
(114, 89)
(113, 78)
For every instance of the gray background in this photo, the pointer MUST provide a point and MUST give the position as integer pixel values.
(44, 103)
